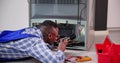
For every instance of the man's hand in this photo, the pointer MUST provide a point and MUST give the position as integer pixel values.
(63, 43)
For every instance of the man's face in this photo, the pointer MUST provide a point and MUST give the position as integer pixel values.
(53, 36)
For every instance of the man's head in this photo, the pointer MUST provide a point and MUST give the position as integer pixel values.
(49, 30)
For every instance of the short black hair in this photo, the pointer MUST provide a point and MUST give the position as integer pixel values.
(47, 27)
(49, 23)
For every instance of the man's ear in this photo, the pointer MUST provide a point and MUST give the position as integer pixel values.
(49, 36)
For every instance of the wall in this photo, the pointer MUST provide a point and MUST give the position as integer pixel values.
(113, 14)
(14, 14)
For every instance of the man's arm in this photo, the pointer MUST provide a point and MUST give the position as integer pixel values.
(42, 53)
(63, 43)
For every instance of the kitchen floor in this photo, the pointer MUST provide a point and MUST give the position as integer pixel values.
(114, 36)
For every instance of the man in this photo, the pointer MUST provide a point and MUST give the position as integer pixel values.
(33, 42)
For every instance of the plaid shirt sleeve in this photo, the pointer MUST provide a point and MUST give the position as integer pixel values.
(32, 46)
(41, 52)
